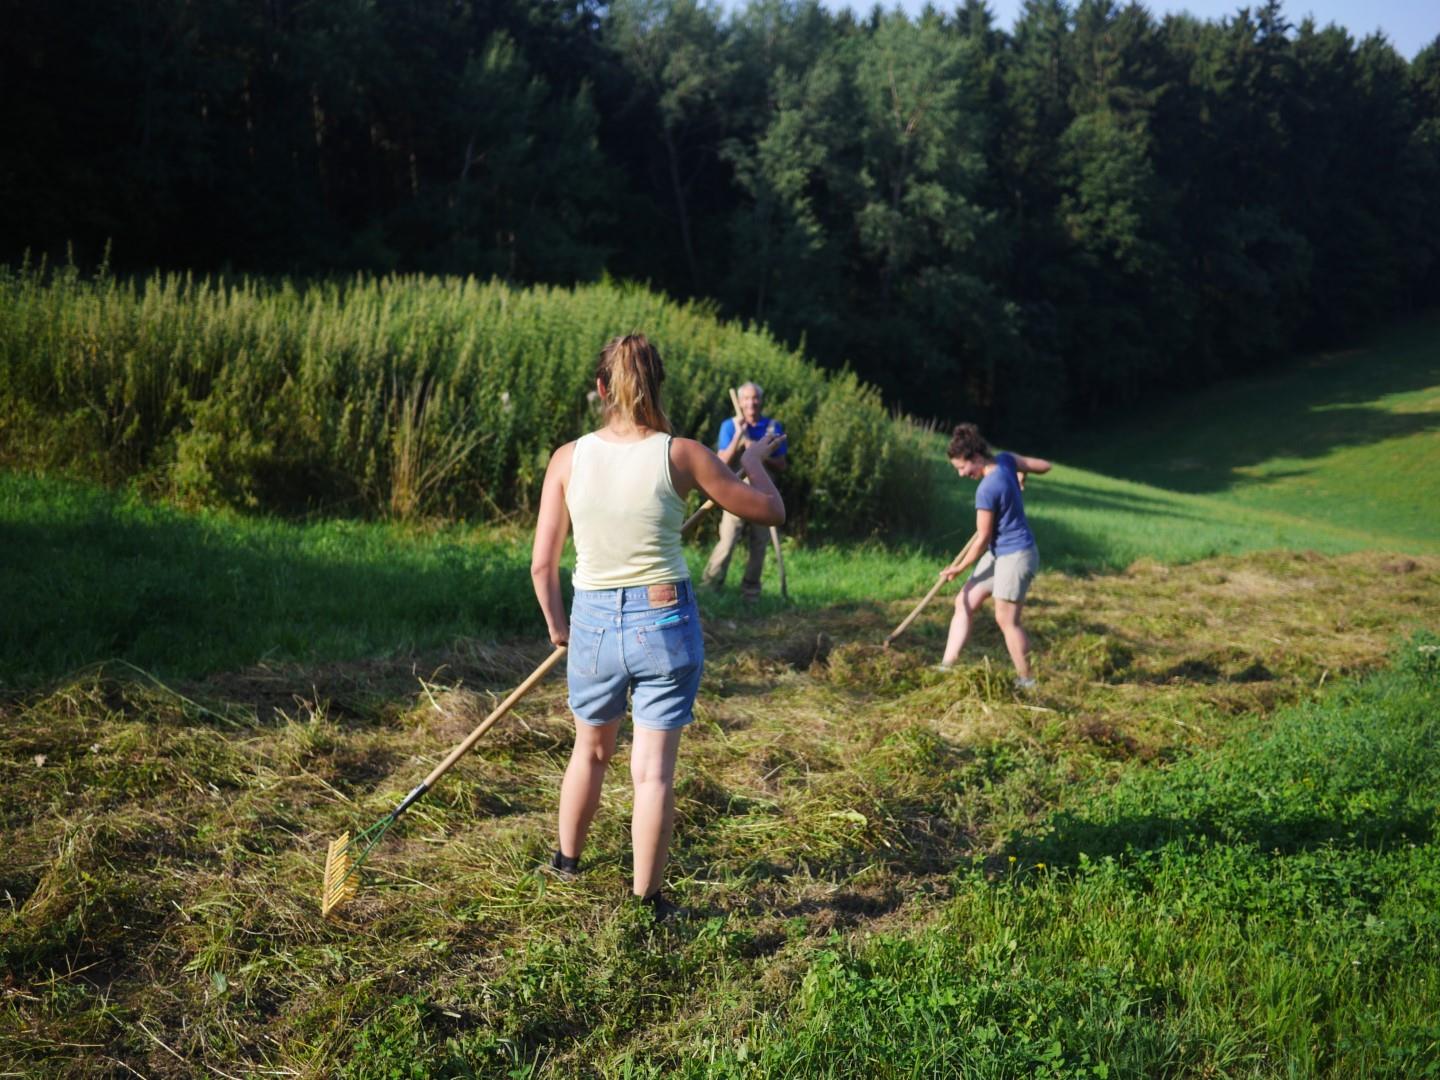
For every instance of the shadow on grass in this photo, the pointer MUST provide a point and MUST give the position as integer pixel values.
(1304, 410)
(88, 578)
(1126, 838)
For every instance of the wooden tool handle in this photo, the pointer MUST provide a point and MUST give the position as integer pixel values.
(939, 583)
(697, 515)
(706, 505)
(500, 710)
(779, 560)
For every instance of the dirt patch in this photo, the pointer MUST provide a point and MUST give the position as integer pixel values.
(1113, 742)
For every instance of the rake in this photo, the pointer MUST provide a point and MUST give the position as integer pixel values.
(347, 853)
(914, 614)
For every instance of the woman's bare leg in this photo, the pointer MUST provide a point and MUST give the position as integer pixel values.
(967, 603)
(1007, 615)
(652, 767)
(584, 777)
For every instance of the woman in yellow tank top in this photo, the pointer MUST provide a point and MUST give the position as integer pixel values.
(633, 629)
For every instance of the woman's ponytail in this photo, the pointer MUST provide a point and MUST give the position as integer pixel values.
(632, 372)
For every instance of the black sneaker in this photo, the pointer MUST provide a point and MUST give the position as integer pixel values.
(561, 866)
(661, 909)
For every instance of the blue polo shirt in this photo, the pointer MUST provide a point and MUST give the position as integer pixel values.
(999, 492)
(754, 432)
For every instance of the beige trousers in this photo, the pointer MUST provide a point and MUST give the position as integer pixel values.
(730, 529)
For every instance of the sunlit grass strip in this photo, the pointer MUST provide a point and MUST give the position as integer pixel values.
(1348, 438)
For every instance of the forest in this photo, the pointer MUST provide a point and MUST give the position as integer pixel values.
(1031, 228)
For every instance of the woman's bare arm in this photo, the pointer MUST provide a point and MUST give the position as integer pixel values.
(985, 527)
(696, 466)
(550, 530)
(1031, 464)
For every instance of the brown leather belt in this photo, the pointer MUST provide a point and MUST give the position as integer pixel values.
(663, 595)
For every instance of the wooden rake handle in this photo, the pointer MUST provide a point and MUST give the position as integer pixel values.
(489, 722)
(706, 505)
(697, 515)
(775, 533)
(779, 560)
(939, 583)
(709, 503)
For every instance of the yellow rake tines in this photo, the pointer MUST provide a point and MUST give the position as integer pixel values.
(340, 883)
(342, 863)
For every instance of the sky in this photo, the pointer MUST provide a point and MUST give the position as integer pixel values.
(1409, 25)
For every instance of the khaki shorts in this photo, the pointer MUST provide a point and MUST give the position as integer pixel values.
(1010, 574)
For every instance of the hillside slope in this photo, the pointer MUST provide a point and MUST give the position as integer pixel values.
(1342, 446)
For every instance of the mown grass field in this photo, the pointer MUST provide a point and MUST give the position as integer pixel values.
(1207, 847)
(847, 821)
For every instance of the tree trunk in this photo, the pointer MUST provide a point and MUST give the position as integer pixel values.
(674, 159)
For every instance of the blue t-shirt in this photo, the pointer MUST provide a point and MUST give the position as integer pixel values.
(754, 432)
(999, 492)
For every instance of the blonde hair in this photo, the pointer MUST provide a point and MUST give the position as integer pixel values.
(632, 373)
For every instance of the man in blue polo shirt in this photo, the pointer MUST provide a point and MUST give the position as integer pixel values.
(730, 445)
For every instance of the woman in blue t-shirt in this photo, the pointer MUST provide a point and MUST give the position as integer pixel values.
(1010, 557)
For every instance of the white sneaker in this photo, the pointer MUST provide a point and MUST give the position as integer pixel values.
(1024, 686)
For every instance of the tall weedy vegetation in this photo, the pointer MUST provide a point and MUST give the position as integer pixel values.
(396, 396)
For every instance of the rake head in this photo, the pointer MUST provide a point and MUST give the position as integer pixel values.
(342, 863)
(340, 879)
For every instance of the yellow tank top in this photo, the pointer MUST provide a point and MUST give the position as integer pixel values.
(625, 514)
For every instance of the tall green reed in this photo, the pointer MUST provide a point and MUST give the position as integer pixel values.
(398, 396)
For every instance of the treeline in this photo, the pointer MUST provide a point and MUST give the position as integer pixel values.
(1024, 227)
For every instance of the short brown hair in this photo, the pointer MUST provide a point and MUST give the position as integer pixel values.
(967, 442)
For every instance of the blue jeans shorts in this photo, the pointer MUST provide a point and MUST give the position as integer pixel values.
(642, 641)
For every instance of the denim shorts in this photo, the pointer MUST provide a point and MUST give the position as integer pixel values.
(641, 641)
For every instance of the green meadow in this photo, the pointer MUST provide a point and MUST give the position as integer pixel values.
(1347, 441)
(1207, 847)
(96, 576)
